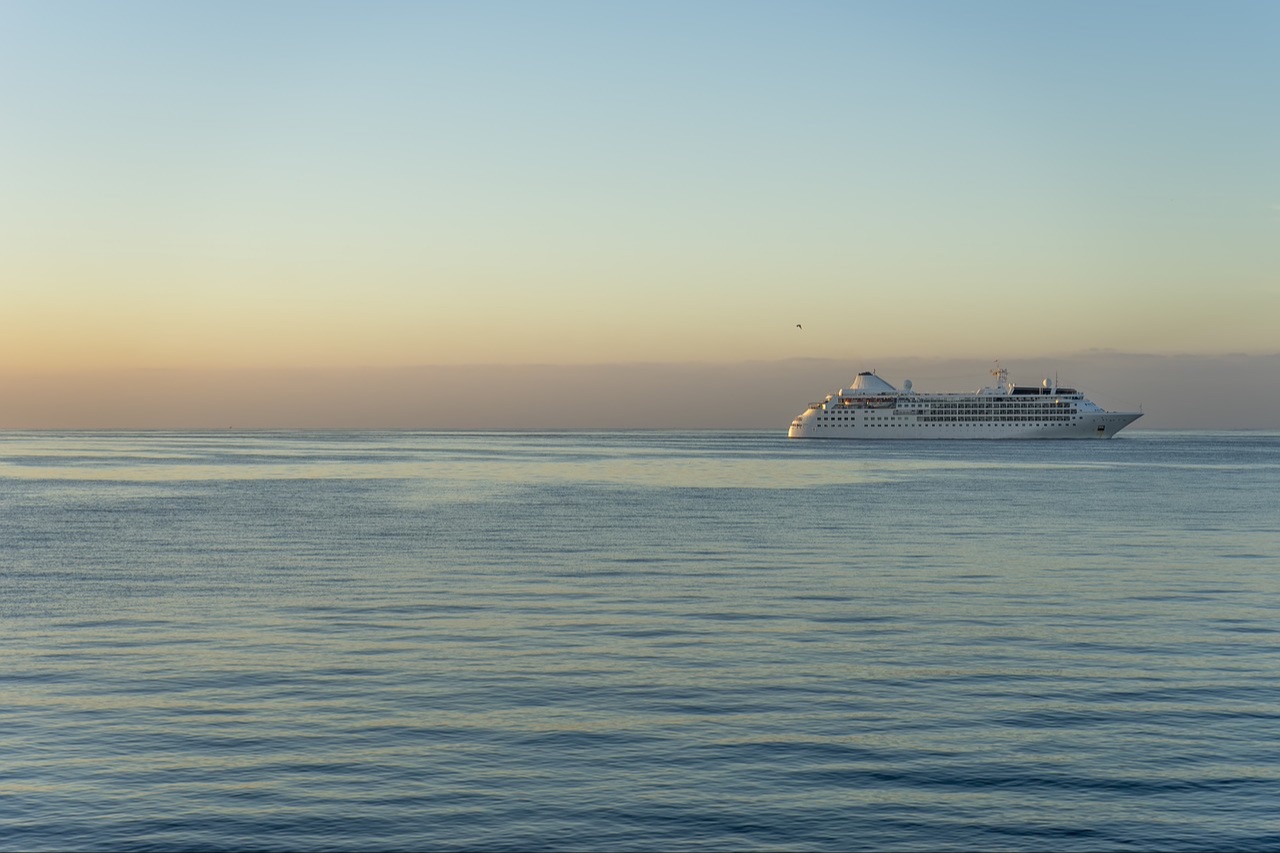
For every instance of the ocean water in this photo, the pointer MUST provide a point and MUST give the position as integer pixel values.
(638, 641)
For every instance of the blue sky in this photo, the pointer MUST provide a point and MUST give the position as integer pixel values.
(239, 185)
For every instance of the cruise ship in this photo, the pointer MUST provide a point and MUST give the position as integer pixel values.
(871, 408)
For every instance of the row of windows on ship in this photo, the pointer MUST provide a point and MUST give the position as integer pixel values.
(992, 422)
(1055, 407)
(1022, 417)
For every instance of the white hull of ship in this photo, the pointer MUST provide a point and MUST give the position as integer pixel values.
(866, 427)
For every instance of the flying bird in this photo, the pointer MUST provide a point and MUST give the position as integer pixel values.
(798, 326)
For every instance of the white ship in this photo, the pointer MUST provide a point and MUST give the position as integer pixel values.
(872, 408)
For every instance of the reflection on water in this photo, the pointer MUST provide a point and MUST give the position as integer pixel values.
(638, 641)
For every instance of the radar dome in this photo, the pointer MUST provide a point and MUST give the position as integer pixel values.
(869, 383)
(907, 384)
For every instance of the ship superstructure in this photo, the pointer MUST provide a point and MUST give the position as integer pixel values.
(871, 408)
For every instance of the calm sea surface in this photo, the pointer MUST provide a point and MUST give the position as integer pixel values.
(638, 641)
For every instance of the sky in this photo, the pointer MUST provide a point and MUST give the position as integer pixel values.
(262, 190)
(1227, 392)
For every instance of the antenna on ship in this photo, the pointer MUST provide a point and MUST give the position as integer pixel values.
(1001, 374)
